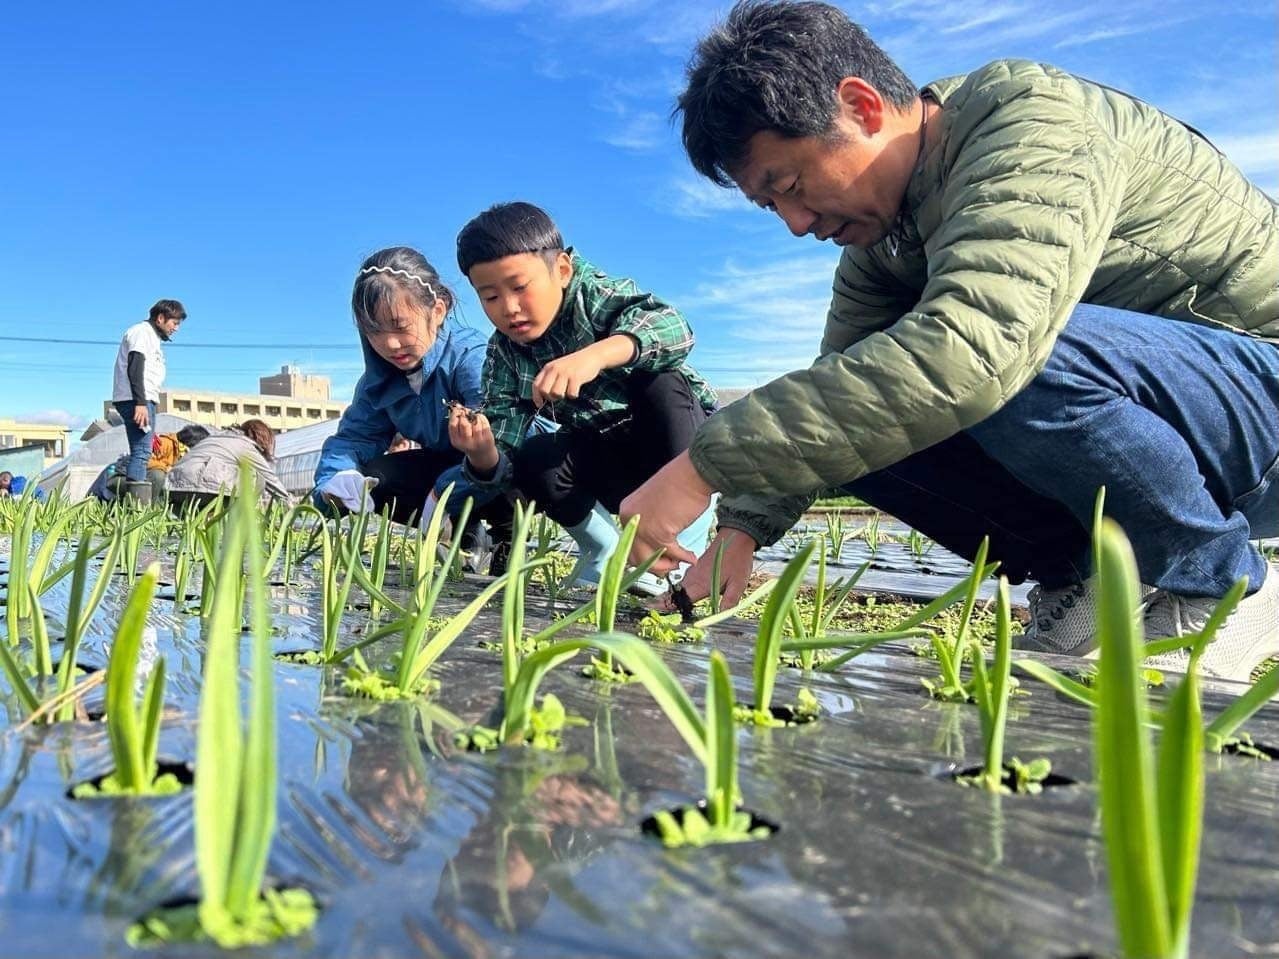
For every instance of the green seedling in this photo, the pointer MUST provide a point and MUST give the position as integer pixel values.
(919, 545)
(133, 728)
(827, 602)
(1151, 808)
(871, 534)
(668, 628)
(614, 581)
(768, 642)
(854, 644)
(712, 739)
(235, 771)
(29, 576)
(991, 687)
(837, 534)
(723, 821)
(950, 655)
(422, 643)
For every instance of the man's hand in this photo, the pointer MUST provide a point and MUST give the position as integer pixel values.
(140, 417)
(672, 498)
(734, 573)
(470, 433)
(564, 377)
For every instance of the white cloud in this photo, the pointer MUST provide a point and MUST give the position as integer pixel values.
(1257, 154)
(779, 302)
(59, 417)
(640, 131)
(695, 198)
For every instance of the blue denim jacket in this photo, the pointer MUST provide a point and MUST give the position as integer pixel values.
(384, 404)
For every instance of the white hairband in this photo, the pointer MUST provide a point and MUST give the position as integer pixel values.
(404, 273)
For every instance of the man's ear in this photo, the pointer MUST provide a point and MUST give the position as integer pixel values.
(563, 269)
(861, 103)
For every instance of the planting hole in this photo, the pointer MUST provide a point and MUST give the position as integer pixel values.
(184, 773)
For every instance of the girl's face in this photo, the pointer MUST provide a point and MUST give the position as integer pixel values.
(403, 331)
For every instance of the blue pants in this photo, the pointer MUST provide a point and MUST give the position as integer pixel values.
(139, 440)
(1179, 422)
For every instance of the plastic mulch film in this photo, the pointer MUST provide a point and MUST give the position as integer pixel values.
(414, 847)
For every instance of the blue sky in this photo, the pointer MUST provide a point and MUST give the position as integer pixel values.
(245, 157)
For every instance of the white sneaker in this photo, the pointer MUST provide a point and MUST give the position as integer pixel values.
(1062, 621)
(1248, 637)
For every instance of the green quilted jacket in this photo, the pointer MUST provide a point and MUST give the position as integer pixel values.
(1041, 190)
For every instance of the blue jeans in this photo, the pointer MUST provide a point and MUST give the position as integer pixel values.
(139, 440)
(1179, 422)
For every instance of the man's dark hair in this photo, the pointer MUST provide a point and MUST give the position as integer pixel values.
(170, 308)
(776, 66)
(505, 230)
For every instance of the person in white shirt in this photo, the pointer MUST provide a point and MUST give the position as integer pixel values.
(139, 374)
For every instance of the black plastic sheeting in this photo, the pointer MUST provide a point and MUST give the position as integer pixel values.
(414, 848)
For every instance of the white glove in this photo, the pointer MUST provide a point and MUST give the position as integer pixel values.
(351, 488)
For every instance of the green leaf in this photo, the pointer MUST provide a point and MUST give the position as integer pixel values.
(220, 740)
(771, 623)
(1125, 765)
(997, 704)
(1059, 682)
(152, 714)
(637, 656)
(1181, 798)
(721, 744)
(742, 605)
(445, 636)
(128, 741)
(256, 819)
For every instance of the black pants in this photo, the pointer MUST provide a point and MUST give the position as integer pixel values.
(1030, 535)
(406, 478)
(567, 471)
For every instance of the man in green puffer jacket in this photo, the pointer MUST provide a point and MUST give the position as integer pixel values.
(1047, 286)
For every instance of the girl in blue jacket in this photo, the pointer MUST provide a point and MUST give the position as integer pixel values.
(414, 365)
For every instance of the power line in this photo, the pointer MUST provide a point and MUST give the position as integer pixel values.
(189, 346)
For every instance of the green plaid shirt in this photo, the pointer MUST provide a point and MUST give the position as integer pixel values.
(596, 306)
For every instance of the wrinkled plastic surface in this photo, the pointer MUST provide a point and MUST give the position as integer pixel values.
(416, 849)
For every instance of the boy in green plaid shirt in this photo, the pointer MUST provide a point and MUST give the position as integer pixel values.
(587, 351)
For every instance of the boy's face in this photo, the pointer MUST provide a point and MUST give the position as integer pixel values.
(522, 293)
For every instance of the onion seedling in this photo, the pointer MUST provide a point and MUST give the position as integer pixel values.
(827, 602)
(423, 639)
(990, 688)
(950, 655)
(1151, 808)
(235, 770)
(614, 580)
(133, 728)
(768, 646)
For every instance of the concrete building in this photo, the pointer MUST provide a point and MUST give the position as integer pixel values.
(288, 400)
(291, 381)
(50, 436)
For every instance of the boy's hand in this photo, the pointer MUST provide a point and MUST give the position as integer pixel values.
(564, 377)
(140, 418)
(470, 433)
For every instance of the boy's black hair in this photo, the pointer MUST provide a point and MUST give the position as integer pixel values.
(505, 230)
